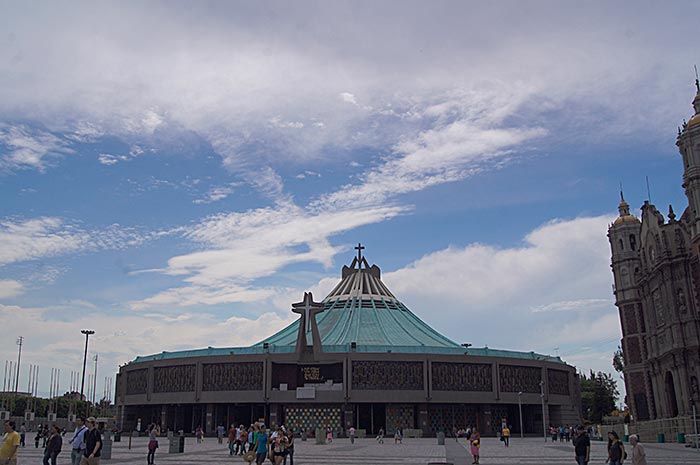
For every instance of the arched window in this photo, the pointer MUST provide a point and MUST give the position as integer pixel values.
(633, 242)
(622, 245)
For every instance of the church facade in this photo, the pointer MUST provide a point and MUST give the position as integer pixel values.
(656, 269)
(358, 358)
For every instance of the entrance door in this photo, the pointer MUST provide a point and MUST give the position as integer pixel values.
(671, 393)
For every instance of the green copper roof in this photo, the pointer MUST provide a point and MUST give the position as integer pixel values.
(361, 311)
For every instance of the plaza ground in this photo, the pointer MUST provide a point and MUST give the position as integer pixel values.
(367, 452)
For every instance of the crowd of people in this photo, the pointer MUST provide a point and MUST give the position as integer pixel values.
(257, 443)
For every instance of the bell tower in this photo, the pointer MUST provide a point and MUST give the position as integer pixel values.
(688, 143)
(625, 244)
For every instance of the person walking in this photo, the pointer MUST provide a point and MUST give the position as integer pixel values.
(10, 444)
(261, 445)
(199, 433)
(505, 434)
(351, 433)
(637, 453)
(153, 433)
(329, 435)
(242, 440)
(290, 447)
(616, 451)
(475, 445)
(220, 433)
(380, 436)
(93, 444)
(22, 435)
(582, 446)
(78, 440)
(53, 446)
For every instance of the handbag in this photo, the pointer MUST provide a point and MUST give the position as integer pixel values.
(249, 456)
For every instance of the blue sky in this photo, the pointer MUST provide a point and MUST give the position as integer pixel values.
(175, 175)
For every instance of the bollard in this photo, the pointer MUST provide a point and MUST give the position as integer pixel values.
(320, 437)
(441, 438)
(106, 452)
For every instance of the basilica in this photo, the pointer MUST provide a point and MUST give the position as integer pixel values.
(357, 358)
(656, 268)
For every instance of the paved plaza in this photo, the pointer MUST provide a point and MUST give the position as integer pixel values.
(368, 452)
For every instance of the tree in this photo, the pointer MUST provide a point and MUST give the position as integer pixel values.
(618, 360)
(598, 395)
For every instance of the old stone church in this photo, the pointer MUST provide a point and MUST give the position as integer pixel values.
(656, 266)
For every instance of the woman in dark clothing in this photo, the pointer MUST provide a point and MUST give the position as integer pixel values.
(616, 451)
(53, 446)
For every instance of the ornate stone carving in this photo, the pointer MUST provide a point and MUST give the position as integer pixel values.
(401, 376)
(243, 376)
(633, 352)
(558, 382)
(179, 378)
(137, 381)
(629, 319)
(462, 377)
(516, 378)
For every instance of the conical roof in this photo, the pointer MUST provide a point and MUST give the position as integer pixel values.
(362, 310)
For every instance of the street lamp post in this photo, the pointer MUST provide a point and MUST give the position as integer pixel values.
(19, 358)
(544, 421)
(520, 409)
(87, 333)
(695, 425)
(94, 384)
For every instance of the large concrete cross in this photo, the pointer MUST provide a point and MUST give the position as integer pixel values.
(308, 310)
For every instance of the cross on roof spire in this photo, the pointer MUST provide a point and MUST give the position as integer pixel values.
(359, 249)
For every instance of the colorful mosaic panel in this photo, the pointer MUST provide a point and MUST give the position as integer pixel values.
(309, 418)
(137, 381)
(462, 377)
(558, 382)
(401, 376)
(446, 417)
(518, 378)
(178, 378)
(244, 376)
(401, 416)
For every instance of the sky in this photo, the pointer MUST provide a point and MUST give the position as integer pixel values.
(175, 175)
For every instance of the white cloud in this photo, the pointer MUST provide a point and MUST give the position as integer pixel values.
(10, 288)
(22, 240)
(41, 237)
(552, 291)
(29, 148)
(215, 194)
(122, 335)
(292, 66)
(242, 247)
(347, 97)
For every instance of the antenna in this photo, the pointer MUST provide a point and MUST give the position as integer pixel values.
(697, 82)
(648, 190)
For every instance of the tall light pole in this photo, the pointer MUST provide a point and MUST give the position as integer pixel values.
(94, 383)
(87, 333)
(520, 409)
(544, 422)
(19, 357)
